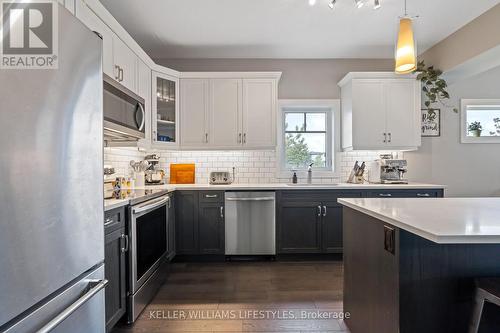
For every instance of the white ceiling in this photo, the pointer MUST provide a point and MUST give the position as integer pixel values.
(285, 28)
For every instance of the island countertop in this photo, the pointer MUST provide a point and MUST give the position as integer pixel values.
(441, 220)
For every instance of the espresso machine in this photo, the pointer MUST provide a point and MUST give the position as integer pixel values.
(393, 171)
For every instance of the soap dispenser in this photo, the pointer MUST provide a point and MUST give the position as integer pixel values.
(294, 178)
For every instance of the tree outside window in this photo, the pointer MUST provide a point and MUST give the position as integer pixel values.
(305, 139)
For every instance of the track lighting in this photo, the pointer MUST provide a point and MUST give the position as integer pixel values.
(358, 3)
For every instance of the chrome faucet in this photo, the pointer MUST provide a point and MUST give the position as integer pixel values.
(310, 174)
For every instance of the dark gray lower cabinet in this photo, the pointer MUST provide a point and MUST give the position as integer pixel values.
(331, 228)
(171, 227)
(311, 221)
(114, 266)
(200, 222)
(299, 227)
(186, 222)
(211, 227)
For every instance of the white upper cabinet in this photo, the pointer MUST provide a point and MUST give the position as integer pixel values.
(380, 111)
(225, 113)
(94, 23)
(228, 110)
(69, 5)
(119, 61)
(165, 111)
(403, 128)
(259, 113)
(125, 62)
(194, 112)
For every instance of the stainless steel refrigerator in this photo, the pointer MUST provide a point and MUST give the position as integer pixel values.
(51, 195)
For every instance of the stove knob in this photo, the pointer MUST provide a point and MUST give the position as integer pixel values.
(225, 179)
(213, 179)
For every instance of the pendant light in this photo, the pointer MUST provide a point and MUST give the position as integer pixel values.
(406, 54)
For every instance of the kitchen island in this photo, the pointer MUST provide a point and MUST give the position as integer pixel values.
(410, 264)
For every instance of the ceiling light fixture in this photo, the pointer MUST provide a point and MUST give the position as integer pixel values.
(406, 55)
(358, 3)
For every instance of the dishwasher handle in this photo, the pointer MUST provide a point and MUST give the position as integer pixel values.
(251, 199)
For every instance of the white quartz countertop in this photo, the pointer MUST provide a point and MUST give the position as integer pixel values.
(138, 192)
(441, 220)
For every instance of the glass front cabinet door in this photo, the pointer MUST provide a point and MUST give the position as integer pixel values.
(165, 111)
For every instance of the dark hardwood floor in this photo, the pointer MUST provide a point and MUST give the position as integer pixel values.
(246, 297)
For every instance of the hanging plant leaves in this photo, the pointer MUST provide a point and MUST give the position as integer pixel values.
(433, 86)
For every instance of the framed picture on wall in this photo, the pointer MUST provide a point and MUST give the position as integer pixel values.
(431, 122)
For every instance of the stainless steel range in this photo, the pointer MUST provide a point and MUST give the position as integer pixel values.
(149, 236)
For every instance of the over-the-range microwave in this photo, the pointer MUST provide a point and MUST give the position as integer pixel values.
(124, 115)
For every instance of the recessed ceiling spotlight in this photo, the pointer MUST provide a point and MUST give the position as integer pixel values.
(332, 3)
(377, 5)
(359, 3)
(312, 2)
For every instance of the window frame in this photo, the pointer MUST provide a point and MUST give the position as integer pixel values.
(332, 109)
(464, 104)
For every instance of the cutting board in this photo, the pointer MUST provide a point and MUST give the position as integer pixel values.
(182, 173)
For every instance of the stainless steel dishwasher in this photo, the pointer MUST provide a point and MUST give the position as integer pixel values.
(250, 223)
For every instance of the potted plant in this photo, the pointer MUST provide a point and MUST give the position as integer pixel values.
(475, 129)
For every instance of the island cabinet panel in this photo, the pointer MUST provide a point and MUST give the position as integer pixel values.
(300, 227)
(370, 276)
(419, 286)
(186, 222)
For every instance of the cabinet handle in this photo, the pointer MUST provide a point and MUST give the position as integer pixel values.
(121, 74)
(390, 137)
(386, 195)
(324, 211)
(319, 210)
(108, 221)
(389, 239)
(239, 138)
(385, 137)
(126, 247)
(206, 137)
(244, 138)
(423, 195)
(221, 211)
(154, 136)
(117, 75)
(210, 195)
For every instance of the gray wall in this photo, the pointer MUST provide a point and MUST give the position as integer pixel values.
(467, 169)
(301, 79)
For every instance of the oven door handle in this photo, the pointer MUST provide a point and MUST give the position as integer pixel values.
(149, 205)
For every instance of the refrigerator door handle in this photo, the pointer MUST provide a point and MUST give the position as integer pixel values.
(95, 287)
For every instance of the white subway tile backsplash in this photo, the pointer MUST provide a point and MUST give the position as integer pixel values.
(251, 166)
